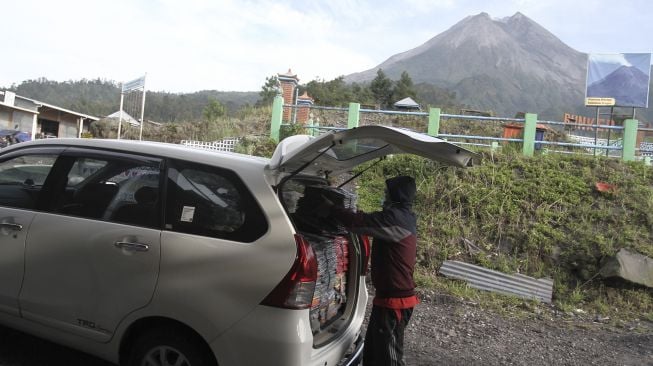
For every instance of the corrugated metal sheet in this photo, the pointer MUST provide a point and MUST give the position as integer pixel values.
(489, 280)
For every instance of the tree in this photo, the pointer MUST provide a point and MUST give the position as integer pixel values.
(330, 93)
(268, 91)
(361, 94)
(404, 88)
(213, 111)
(381, 88)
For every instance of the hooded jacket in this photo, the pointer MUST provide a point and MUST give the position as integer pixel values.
(394, 231)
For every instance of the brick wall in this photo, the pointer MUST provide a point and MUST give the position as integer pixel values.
(288, 94)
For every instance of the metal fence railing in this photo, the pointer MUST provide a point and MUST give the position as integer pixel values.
(532, 134)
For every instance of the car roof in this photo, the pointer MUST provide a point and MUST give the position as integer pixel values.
(161, 149)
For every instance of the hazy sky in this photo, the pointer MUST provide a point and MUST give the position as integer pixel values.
(191, 45)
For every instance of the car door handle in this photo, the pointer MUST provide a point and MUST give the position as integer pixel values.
(134, 247)
(11, 225)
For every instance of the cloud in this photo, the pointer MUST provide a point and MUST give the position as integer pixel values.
(617, 59)
(234, 44)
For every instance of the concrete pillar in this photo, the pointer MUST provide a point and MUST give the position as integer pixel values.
(530, 126)
(353, 116)
(630, 139)
(434, 122)
(35, 122)
(277, 114)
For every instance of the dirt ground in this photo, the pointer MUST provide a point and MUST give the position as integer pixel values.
(448, 331)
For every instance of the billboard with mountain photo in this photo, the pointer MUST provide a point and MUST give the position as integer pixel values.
(620, 80)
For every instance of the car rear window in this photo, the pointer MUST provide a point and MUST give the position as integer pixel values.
(210, 201)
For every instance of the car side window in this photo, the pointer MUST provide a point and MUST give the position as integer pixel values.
(21, 179)
(111, 189)
(82, 169)
(213, 202)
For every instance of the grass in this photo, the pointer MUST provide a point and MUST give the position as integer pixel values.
(539, 216)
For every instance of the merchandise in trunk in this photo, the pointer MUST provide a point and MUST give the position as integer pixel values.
(330, 243)
(330, 296)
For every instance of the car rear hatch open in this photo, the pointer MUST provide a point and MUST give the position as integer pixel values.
(338, 152)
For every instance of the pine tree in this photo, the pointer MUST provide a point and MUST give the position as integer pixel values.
(381, 88)
(404, 88)
(268, 91)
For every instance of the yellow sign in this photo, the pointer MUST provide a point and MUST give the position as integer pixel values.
(599, 102)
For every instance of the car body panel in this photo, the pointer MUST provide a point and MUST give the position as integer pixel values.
(12, 256)
(287, 335)
(75, 273)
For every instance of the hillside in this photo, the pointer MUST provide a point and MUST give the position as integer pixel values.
(101, 98)
(538, 216)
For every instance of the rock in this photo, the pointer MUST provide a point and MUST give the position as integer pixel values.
(630, 266)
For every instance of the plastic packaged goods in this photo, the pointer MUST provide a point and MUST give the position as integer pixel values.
(329, 241)
(329, 297)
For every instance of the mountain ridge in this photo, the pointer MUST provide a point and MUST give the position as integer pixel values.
(514, 55)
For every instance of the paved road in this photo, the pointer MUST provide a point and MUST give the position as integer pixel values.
(19, 349)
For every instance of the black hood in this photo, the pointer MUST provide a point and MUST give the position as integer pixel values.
(401, 189)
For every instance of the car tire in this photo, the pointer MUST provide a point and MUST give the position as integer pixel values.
(170, 347)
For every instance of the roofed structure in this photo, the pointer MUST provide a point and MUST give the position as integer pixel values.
(40, 119)
(407, 103)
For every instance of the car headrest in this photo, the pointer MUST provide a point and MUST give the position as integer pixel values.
(146, 195)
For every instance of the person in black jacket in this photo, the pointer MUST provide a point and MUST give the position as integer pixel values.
(394, 252)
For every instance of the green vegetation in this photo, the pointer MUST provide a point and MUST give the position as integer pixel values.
(215, 125)
(102, 97)
(539, 216)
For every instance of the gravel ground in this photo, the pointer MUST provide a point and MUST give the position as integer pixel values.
(447, 331)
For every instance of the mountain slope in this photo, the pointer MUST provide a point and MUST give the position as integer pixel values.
(629, 82)
(508, 66)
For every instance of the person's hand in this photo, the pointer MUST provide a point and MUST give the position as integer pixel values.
(323, 209)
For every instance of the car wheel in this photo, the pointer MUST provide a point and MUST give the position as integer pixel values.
(170, 347)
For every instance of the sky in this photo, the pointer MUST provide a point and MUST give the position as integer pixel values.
(191, 45)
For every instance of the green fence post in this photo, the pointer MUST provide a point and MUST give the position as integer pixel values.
(277, 114)
(309, 124)
(316, 131)
(530, 125)
(354, 115)
(434, 122)
(630, 139)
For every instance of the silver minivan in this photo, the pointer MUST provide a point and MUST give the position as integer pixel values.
(147, 253)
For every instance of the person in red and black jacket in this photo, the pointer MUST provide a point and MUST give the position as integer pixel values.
(394, 252)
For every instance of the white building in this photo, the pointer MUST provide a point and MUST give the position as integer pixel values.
(41, 119)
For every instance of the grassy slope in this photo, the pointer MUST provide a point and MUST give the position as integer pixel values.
(539, 216)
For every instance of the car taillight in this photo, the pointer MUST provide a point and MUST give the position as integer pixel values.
(366, 250)
(296, 289)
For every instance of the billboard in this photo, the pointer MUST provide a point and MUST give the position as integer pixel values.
(618, 80)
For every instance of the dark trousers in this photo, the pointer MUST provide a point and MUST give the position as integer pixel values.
(384, 340)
